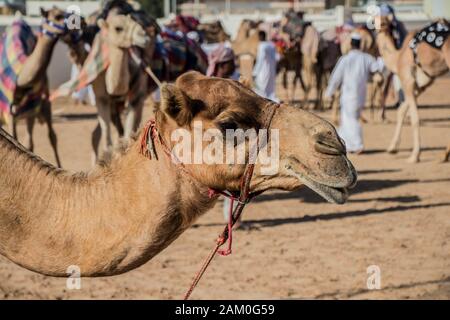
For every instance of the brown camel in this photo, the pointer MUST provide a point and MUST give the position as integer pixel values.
(291, 61)
(310, 64)
(245, 47)
(122, 32)
(112, 86)
(118, 217)
(414, 78)
(34, 71)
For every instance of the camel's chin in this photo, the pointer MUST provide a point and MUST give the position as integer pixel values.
(329, 193)
(333, 195)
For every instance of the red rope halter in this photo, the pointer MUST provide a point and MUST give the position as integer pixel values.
(147, 148)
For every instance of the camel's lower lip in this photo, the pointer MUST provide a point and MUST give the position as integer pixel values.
(331, 194)
(338, 195)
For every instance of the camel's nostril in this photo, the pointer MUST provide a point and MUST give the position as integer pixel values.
(327, 144)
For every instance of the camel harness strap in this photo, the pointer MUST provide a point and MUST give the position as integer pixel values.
(147, 148)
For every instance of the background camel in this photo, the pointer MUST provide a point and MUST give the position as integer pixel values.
(414, 78)
(179, 56)
(291, 61)
(245, 47)
(135, 207)
(34, 74)
(116, 79)
(311, 73)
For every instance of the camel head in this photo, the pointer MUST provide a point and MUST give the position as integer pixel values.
(54, 24)
(307, 148)
(382, 24)
(67, 26)
(123, 32)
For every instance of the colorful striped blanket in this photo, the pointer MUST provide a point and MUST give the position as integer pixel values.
(96, 62)
(175, 54)
(16, 44)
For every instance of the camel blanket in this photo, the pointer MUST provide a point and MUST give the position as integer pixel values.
(175, 54)
(16, 44)
(96, 62)
(434, 35)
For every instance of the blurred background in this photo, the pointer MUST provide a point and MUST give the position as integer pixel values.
(324, 14)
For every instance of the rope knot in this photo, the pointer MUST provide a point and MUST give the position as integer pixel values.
(147, 148)
(221, 240)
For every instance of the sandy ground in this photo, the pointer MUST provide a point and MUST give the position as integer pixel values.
(296, 246)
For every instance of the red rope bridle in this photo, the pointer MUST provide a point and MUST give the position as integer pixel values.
(147, 148)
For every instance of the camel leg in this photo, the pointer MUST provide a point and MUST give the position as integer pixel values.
(95, 141)
(319, 86)
(372, 100)
(379, 99)
(384, 94)
(13, 127)
(115, 117)
(335, 110)
(30, 126)
(294, 84)
(104, 119)
(285, 84)
(401, 113)
(134, 117)
(415, 123)
(46, 112)
(300, 78)
(117, 122)
(306, 96)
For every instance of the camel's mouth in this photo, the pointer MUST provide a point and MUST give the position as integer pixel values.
(332, 193)
(141, 42)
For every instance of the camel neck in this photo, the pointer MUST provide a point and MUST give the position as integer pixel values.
(36, 64)
(78, 51)
(106, 222)
(118, 73)
(389, 52)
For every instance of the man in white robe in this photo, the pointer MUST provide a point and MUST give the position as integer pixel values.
(265, 70)
(351, 74)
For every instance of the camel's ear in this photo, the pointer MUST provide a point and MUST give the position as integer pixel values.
(44, 13)
(101, 23)
(176, 104)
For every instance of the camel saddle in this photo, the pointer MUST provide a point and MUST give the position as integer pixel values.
(435, 35)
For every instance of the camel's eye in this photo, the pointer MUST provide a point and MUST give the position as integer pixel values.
(119, 29)
(228, 125)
